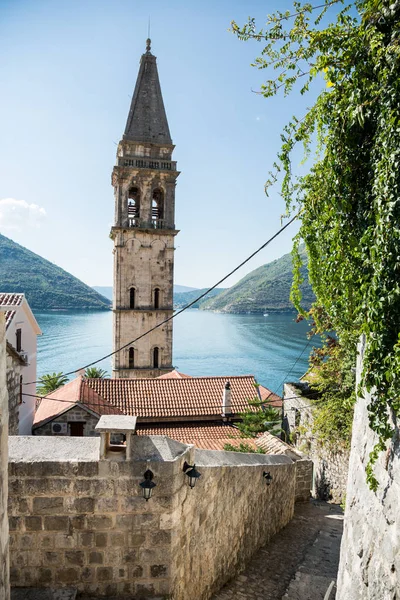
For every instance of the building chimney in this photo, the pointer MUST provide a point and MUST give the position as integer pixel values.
(226, 400)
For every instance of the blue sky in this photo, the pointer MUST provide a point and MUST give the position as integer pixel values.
(67, 73)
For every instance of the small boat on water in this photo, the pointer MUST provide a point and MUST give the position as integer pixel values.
(265, 314)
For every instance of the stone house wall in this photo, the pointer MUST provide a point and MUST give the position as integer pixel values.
(84, 523)
(330, 466)
(370, 552)
(74, 415)
(4, 561)
(14, 370)
(228, 516)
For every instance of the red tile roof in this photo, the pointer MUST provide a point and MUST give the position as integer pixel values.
(205, 436)
(75, 392)
(267, 396)
(7, 300)
(151, 399)
(174, 375)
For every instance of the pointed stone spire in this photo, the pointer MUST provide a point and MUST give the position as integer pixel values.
(147, 120)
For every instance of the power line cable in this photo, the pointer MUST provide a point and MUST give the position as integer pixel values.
(182, 309)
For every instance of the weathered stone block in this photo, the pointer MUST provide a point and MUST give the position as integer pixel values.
(118, 539)
(136, 572)
(144, 590)
(130, 557)
(74, 557)
(86, 539)
(56, 523)
(48, 505)
(88, 469)
(101, 540)
(45, 541)
(15, 523)
(137, 539)
(78, 521)
(15, 576)
(99, 522)
(160, 538)
(67, 575)
(44, 576)
(84, 505)
(96, 558)
(158, 571)
(88, 574)
(107, 505)
(104, 573)
(33, 523)
(63, 540)
(52, 558)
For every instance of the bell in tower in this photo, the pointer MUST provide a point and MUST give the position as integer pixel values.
(144, 180)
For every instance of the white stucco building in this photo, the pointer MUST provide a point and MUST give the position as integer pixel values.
(22, 330)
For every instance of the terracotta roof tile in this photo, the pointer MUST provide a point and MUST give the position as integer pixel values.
(7, 299)
(273, 399)
(174, 375)
(205, 436)
(67, 396)
(166, 398)
(273, 445)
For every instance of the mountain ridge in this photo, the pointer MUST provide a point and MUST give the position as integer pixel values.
(266, 289)
(45, 285)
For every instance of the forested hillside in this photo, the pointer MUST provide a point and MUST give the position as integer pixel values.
(267, 289)
(45, 285)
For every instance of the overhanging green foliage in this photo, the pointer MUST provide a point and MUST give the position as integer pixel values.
(349, 201)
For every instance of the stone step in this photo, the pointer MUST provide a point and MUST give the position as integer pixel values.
(43, 593)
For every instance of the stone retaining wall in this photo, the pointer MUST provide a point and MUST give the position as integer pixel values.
(330, 466)
(370, 552)
(83, 522)
(227, 518)
(304, 479)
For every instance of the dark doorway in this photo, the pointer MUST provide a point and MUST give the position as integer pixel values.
(76, 429)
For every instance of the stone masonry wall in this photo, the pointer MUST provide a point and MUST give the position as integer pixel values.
(228, 516)
(369, 566)
(14, 393)
(304, 479)
(73, 415)
(330, 467)
(4, 561)
(85, 523)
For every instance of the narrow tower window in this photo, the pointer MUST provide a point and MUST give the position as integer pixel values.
(157, 298)
(133, 207)
(132, 298)
(131, 358)
(157, 208)
(156, 353)
(18, 334)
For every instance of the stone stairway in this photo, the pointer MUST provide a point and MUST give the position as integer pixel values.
(298, 563)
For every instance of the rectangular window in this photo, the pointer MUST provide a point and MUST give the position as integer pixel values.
(18, 334)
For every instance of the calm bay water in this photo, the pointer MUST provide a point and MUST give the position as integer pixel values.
(273, 348)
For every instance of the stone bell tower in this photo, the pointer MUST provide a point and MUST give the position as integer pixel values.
(144, 180)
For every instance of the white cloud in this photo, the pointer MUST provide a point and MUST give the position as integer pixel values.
(17, 214)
